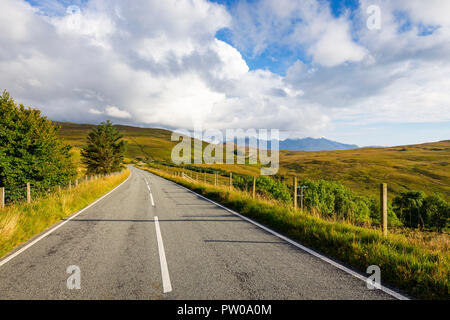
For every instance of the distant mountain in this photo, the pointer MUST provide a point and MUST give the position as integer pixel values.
(311, 144)
(305, 144)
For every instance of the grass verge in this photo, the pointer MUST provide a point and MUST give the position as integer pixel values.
(419, 271)
(19, 223)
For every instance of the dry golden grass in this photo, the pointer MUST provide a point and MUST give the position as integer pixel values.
(20, 222)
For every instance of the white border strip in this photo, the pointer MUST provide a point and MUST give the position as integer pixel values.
(167, 287)
(15, 254)
(310, 251)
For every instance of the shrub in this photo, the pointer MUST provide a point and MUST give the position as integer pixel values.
(437, 212)
(30, 151)
(275, 189)
(417, 209)
(332, 199)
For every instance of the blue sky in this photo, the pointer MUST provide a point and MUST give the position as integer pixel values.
(309, 68)
(277, 58)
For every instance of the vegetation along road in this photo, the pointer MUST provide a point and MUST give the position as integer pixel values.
(153, 239)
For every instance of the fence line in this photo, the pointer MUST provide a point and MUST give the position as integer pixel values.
(228, 179)
(30, 192)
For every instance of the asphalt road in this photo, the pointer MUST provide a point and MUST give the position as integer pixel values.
(163, 242)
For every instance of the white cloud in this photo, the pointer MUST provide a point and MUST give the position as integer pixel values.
(160, 62)
(95, 111)
(302, 25)
(115, 112)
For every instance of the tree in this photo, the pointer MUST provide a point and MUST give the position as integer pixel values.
(30, 150)
(104, 152)
(437, 211)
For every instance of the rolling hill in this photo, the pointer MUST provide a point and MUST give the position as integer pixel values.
(415, 167)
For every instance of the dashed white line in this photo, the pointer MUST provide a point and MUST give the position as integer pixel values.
(151, 198)
(150, 191)
(167, 287)
(298, 245)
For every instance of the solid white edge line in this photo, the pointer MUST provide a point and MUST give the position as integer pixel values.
(15, 254)
(167, 287)
(298, 245)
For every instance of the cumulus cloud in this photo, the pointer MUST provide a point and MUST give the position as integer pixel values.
(115, 112)
(158, 63)
(301, 25)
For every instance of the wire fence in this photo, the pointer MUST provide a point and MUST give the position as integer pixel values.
(28, 192)
(325, 198)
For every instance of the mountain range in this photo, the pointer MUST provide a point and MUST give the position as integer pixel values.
(306, 144)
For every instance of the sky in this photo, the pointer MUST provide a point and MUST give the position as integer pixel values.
(367, 72)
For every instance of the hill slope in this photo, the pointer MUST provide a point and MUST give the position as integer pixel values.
(142, 142)
(416, 167)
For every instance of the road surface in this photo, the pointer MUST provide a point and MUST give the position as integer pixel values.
(152, 239)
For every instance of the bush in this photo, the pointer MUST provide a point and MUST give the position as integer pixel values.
(437, 211)
(416, 209)
(332, 199)
(275, 189)
(30, 151)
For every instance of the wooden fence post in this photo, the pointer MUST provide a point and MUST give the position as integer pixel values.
(70, 185)
(76, 183)
(204, 177)
(383, 205)
(254, 188)
(215, 178)
(231, 181)
(295, 192)
(28, 193)
(2, 197)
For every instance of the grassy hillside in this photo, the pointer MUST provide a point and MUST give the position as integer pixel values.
(417, 167)
(142, 142)
(423, 167)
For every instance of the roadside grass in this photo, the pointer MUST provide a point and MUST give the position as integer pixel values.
(21, 222)
(408, 263)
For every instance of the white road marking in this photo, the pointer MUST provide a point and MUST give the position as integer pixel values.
(15, 254)
(310, 251)
(167, 287)
(151, 198)
(150, 191)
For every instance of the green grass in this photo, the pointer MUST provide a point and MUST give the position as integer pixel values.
(405, 263)
(423, 167)
(19, 223)
(142, 142)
